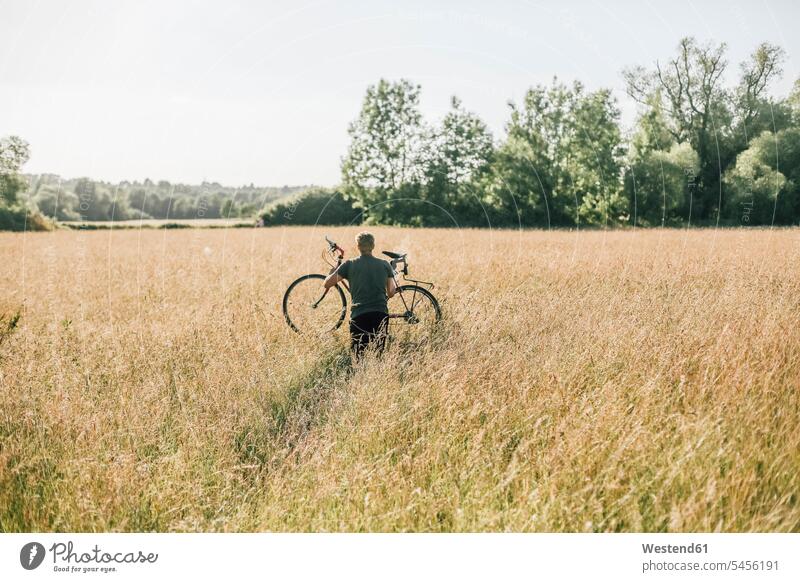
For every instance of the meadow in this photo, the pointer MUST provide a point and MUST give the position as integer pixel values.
(638, 380)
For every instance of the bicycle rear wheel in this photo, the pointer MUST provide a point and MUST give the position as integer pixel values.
(413, 312)
(310, 309)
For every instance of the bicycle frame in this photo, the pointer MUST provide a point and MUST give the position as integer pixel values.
(339, 251)
(418, 282)
(343, 282)
(403, 299)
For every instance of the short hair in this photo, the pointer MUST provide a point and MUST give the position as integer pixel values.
(365, 241)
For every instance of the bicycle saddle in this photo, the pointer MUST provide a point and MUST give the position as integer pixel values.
(392, 255)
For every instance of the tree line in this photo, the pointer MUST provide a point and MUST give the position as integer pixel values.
(700, 153)
(32, 202)
(85, 199)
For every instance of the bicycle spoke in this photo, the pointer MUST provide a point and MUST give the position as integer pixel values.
(413, 301)
(412, 312)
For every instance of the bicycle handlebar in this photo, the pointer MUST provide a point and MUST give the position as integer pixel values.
(332, 246)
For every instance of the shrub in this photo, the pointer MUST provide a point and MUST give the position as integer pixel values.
(317, 206)
(19, 218)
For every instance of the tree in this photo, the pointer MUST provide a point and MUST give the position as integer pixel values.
(460, 154)
(561, 161)
(14, 215)
(765, 182)
(689, 89)
(652, 131)
(793, 103)
(57, 203)
(385, 157)
(659, 185)
(594, 155)
(754, 111)
(14, 153)
(659, 175)
(763, 66)
(463, 144)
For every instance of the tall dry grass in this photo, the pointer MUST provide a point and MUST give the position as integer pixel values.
(581, 381)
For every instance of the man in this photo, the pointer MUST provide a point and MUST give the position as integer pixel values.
(371, 285)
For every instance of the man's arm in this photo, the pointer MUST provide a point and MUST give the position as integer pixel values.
(332, 279)
(391, 287)
(337, 275)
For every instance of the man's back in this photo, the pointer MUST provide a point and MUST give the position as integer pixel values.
(367, 276)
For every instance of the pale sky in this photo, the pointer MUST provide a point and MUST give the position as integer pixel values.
(262, 92)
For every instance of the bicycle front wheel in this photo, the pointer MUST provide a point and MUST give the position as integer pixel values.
(311, 309)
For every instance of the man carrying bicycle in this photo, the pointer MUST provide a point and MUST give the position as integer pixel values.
(372, 284)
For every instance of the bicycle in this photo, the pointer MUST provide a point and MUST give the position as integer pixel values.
(310, 308)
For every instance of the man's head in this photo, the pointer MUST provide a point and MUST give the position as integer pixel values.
(365, 242)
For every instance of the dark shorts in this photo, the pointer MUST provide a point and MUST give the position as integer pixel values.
(368, 328)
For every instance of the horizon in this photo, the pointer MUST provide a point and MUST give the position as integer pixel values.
(244, 93)
(155, 181)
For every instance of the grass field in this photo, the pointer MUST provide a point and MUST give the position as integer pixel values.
(580, 381)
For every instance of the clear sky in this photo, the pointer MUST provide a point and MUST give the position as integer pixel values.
(241, 92)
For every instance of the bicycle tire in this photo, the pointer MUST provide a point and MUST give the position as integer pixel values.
(424, 292)
(295, 283)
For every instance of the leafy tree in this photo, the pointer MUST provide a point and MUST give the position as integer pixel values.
(14, 215)
(53, 202)
(793, 102)
(516, 193)
(652, 130)
(757, 72)
(14, 153)
(386, 153)
(561, 161)
(460, 155)
(765, 182)
(463, 145)
(689, 88)
(659, 185)
(183, 207)
(660, 173)
(595, 158)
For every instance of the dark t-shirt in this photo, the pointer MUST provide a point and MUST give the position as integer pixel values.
(367, 276)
